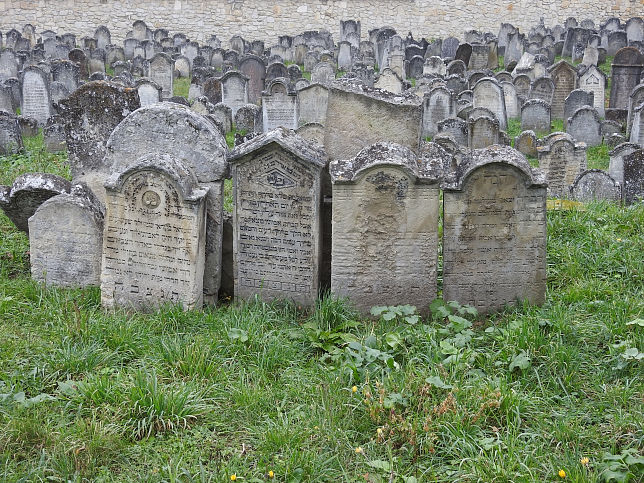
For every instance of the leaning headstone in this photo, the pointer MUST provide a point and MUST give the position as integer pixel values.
(595, 185)
(633, 187)
(385, 237)
(562, 160)
(248, 118)
(66, 240)
(149, 92)
(512, 103)
(585, 126)
(564, 77)
(370, 116)
(10, 135)
(494, 231)
(169, 128)
(277, 180)
(616, 164)
(91, 113)
(36, 97)
(28, 191)
(154, 237)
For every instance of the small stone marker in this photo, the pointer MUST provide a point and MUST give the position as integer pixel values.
(585, 126)
(279, 106)
(595, 185)
(28, 191)
(161, 71)
(277, 191)
(385, 228)
(616, 164)
(155, 236)
(562, 160)
(66, 240)
(633, 187)
(494, 231)
(526, 143)
(438, 105)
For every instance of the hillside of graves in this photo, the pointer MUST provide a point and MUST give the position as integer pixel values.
(369, 258)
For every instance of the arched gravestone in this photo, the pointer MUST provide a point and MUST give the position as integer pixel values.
(28, 191)
(36, 98)
(595, 185)
(275, 70)
(323, 73)
(385, 228)
(616, 164)
(161, 71)
(494, 231)
(277, 189)
(483, 131)
(564, 77)
(154, 236)
(254, 68)
(562, 160)
(488, 93)
(279, 106)
(542, 88)
(522, 83)
(66, 240)
(149, 92)
(626, 73)
(91, 113)
(234, 90)
(169, 128)
(585, 126)
(438, 105)
(577, 98)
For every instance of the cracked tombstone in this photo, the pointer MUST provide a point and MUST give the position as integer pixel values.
(385, 228)
(494, 235)
(277, 189)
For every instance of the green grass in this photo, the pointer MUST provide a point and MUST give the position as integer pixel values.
(181, 86)
(253, 387)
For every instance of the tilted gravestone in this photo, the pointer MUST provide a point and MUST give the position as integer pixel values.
(562, 160)
(494, 231)
(543, 88)
(66, 240)
(595, 185)
(512, 103)
(585, 126)
(312, 100)
(234, 90)
(633, 187)
(385, 228)
(169, 128)
(91, 113)
(370, 116)
(10, 135)
(323, 73)
(248, 118)
(28, 191)
(616, 163)
(154, 237)
(564, 77)
(254, 68)
(277, 187)
(36, 97)
(149, 92)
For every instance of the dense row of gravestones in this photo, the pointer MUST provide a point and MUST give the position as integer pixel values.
(336, 184)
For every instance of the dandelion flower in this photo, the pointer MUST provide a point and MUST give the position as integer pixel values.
(562, 474)
(584, 461)
(354, 389)
(233, 477)
(271, 474)
(359, 450)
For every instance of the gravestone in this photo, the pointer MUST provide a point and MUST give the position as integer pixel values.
(248, 118)
(456, 128)
(585, 126)
(154, 237)
(91, 113)
(637, 128)
(535, 116)
(522, 84)
(312, 132)
(54, 135)
(389, 81)
(562, 160)
(78, 57)
(617, 39)
(564, 77)
(66, 240)
(345, 58)
(593, 80)
(438, 105)
(67, 73)
(254, 68)
(483, 131)
(277, 188)
(512, 103)
(634, 101)
(635, 29)
(277, 70)
(633, 187)
(28, 191)
(182, 66)
(322, 73)
(595, 185)
(149, 92)
(449, 47)
(526, 144)
(161, 71)
(494, 231)
(172, 129)
(626, 72)
(385, 235)
(103, 37)
(435, 66)
(234, 90)
(10, 135)
(313, 101)
(212, 90)
(279, 107)
(36, 98)
(488, 93)
(543, 88)
(577, 98)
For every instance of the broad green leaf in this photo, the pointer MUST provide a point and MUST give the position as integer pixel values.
(389, 315)
(380, 465)
(238, 334)
(412, 319)
(437, 382)
(378, 310)
(633, 353)
(639, 322)
(520, 361)
(447, 348)
(408, 309)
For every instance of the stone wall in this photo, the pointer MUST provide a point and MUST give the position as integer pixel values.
(263, 20)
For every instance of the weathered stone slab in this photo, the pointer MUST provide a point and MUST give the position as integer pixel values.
(279, 106)
(385, 236)
(234, 90)
(438, 105)
(154, 238)
(494, 231)
(66, 240)
(161, 71)
(313, 101)
(249, 119)
(28, 191)
(585, 126)
(633, 187)
(10, 135)
(562, 160)
(277, 188)
(626, 73)
(616, 164)
(526, 143)
(577, 98)
(564, 77)
(149, 92)
(36, 98)
(370, 116)
(483, 131)
(488, 93)
(535, 116)
(595, 185)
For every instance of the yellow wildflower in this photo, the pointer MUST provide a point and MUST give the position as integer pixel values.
(271, 474)
(354, 389)
(359, 450)
(233, 477)
(562, 474)
(584, 461)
